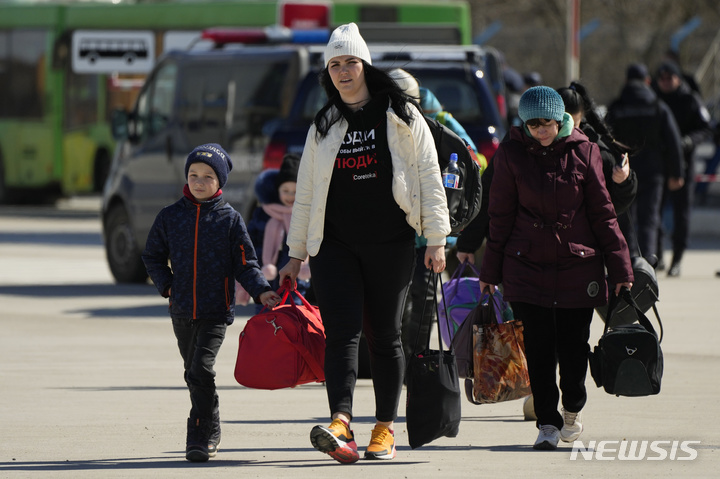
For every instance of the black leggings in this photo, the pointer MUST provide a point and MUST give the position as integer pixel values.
(362, 287)
(555, 336)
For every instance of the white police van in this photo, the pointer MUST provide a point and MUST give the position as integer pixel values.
(231, 95)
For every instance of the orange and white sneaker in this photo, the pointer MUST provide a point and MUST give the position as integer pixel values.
(382, 444)
(336, 440)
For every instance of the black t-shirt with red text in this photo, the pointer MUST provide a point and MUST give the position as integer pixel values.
(360, 205)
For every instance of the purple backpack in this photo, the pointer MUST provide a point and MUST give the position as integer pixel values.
(460, 296)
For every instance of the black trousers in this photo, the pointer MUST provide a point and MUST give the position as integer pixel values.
(362, 288)
(628, 231)
(645, 212)
(555, 337)
(681, 202)
(199, 342)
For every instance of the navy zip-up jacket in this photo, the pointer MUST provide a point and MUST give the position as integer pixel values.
(208, 247)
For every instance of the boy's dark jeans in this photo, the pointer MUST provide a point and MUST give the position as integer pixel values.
(199, 342)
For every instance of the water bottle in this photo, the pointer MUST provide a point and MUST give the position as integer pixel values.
(451, 175)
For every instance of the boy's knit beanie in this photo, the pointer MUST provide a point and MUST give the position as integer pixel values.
(541, 102)
(213, 155)
(406, 82)
(288, 169)
(346, 40)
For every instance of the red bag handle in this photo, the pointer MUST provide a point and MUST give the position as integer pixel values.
(288, 288)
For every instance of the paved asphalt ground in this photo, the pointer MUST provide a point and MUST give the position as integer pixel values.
(91, 383)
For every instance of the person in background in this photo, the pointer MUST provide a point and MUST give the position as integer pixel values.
(432, 108)
(514, 88)
(673, 56)
(640, 120)
(532, 79)
(206, 243)
(269, 224)
(693, 121)
(711, 166)
(419, 313)
(553, 234)
(369, 181)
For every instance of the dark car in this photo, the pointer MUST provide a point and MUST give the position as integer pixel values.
(455, 74)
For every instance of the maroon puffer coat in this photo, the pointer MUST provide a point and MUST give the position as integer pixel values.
(553, 229)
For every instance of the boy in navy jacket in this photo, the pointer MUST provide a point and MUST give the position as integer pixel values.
(207, 244)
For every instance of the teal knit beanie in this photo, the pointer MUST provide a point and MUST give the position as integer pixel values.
(541, 102)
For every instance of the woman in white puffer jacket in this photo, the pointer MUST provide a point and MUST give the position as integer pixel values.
(368, 181)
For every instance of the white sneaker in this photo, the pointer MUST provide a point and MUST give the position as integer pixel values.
(572, 426)
(548, 438)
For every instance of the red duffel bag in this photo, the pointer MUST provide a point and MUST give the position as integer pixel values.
(282, 347)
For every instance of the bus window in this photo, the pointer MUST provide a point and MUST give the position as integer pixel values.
(22, 73)
(81, 99)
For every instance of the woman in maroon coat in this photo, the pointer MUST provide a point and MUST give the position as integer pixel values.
(553, 232)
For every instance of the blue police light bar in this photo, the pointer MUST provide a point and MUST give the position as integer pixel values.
(320, 35)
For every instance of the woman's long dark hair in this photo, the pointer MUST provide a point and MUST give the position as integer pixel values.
(379, 83)
(577, 100)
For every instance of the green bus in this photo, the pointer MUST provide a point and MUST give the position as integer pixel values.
(55, 136)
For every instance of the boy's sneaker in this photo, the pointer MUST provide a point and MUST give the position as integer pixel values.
(336, 440)
(214, 439)
(198, 432)
(547, 439)
(572, 426)
(382, 444)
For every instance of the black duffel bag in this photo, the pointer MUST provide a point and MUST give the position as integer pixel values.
(628, 360)
(644, 291)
